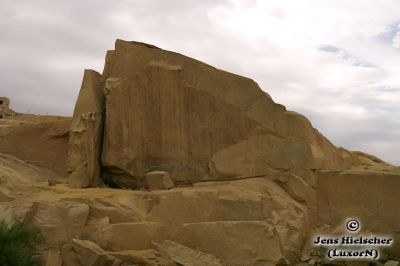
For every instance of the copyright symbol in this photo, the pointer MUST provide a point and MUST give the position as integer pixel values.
(352, 225)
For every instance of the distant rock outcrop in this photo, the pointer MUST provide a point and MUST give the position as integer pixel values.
(5, 107)
(167, 112)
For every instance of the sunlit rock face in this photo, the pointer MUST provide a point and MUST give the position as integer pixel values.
(167, 112)
(217, 173)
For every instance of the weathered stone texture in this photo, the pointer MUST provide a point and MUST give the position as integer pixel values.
(168, 112)
(86, 134)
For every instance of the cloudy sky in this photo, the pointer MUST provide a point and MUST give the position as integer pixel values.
(336, 61)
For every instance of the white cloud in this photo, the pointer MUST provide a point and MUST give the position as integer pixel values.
(396, 40)
(352, 83)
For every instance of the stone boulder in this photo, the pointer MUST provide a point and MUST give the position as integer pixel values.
(168, 112)
(157, 180)
(86, 133)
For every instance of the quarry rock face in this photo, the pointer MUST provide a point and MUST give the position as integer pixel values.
(167, 112)
(242, 222)
(41, 143)
(210, 171)
(85, 141)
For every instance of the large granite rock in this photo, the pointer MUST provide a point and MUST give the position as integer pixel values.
(87, 133)
(167, 112)
(158, 121)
